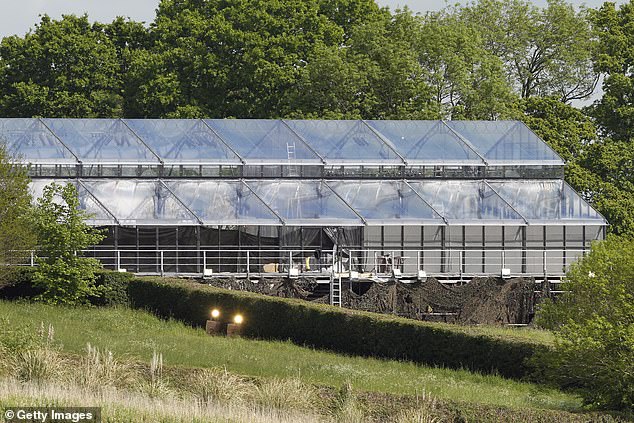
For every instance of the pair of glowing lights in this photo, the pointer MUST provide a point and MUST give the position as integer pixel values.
(237, 319)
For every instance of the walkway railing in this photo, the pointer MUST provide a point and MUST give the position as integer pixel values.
(354, 262)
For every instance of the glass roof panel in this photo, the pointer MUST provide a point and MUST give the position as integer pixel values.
(467, 202)
(345, 142)
(305, 203)
(426, 142)
(547, 201)
(183, 141)
(506, 141)
(136, 202)
(30, 140)
(260, 141)
(223, 202)
(101, 141)
(99, 215)
(386, 202)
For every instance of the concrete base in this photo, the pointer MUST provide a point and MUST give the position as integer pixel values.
(234, 330)
(213, 328)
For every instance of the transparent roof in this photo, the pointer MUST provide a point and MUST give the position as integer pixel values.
(543, 202)
(136, 202)
(264, 141)
(305, 203)
(30, 140)
(332, 203)
(223, 202)
(467, 202)
(345, 141)
(386, 202)
(183, 141)
(506, 142)
(275, 142)
(99, 216)
(101, 141)
(427, 142)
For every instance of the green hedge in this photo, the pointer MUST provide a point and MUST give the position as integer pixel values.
(340, 330)
(112, 287)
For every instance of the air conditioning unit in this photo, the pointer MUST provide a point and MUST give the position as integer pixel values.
(354, 274)
(422, 275)
(293, 273)
(208, 272)
(506, 273)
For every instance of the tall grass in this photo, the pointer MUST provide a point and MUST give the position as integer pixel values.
(137, 335)
(124, 407)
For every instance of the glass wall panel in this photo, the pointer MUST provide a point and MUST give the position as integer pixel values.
(386, 202)
(345, 141)
(219, 202)
(466, 201)
(264, 141)
(547, 200)
(136, 202)
(308, 202)
(505, 142)
(426, 142)
(98, 214)
(31, 141)
(101, 141)
(183, 141)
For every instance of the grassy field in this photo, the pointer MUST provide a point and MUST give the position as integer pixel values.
(137, 334)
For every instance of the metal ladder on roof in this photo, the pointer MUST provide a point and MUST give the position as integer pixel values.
(335, 290)
(292, 164)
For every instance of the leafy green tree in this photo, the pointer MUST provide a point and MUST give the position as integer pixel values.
(63, 68)
(546, 51)
(593, 323)
(16, 236)
(593, 167)
(614, 112)
(467, 80)
(65, 276)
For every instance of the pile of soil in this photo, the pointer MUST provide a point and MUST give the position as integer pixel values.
(489, 300)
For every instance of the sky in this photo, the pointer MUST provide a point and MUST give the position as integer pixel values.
(17, 17)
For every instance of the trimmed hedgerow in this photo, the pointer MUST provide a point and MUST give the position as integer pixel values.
(111, 288)
(340, 330)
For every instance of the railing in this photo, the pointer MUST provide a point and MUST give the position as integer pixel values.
(366, 262)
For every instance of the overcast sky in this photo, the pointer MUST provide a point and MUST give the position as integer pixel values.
(17, 16)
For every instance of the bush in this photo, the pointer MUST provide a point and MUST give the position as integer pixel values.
(111, 288)
(18, 283)
(340, 330)
(594, 327)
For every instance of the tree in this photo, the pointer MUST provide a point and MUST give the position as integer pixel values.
(467, 81)
(16, 236)
(614, 112)
(546, 52)
(593, 168)
(65, 276)
(63, 68)
(593, 323)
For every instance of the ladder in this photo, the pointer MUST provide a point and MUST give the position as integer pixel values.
(335, 290)
(292, 165)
